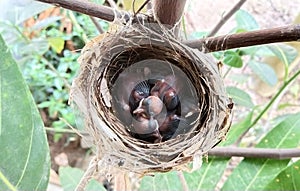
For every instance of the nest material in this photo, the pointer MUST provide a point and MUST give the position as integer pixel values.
(132, 55)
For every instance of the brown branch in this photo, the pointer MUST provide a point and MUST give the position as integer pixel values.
(225, 18)
(168, 12)
(255, 152)
(88, 8)
(211, 44)
(259, 37)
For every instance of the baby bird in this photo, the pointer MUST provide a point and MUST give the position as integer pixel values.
(166, 93)
(150, 107)
(146, 128)
(169, 126)
(139, 92)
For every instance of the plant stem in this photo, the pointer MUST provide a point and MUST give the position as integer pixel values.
(50, 65)
(266, 108)
(62, 131)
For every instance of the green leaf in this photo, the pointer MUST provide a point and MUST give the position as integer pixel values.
(239, 96)
(24, 156)
(232, 58)
(208, 176)
(18, 11)
(255, 174)
(70, 178)
(245, 21)
(162, 181)
(288, 179)
(56, 43)
(237, 129)
(284, 52)
(265, 72)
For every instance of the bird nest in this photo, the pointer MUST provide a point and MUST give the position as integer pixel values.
(150, 103)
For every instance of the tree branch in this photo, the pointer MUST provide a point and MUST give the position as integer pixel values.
(168, 12)
(226, 17)
(88, 8)
(211, 44)
(255, 152)
(259, 37)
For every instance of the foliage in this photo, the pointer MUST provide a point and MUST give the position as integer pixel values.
(69, 178)
(45, 49)
(24, 156)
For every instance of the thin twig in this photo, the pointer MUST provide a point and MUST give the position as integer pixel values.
(141, 7)
(112, 4)
(50, 65)
(226, 17)
(183, 181)
(69, 131)
(255, 152)
(97, 25)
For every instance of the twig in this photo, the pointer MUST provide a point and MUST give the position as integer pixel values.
(259, 37)
(112, 4)
(141, 7)
(97, 25)
(50, 65)
(183, 181)
(226, 17)
(63, 131)
(255, 152)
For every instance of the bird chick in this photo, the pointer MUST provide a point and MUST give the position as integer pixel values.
(146, 129)
(150, 107)
(166, 93)
(139, 92)
(169, 126)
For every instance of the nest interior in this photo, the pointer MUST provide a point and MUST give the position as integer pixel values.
(137, 58)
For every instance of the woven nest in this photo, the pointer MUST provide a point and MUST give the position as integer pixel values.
(138, 63)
